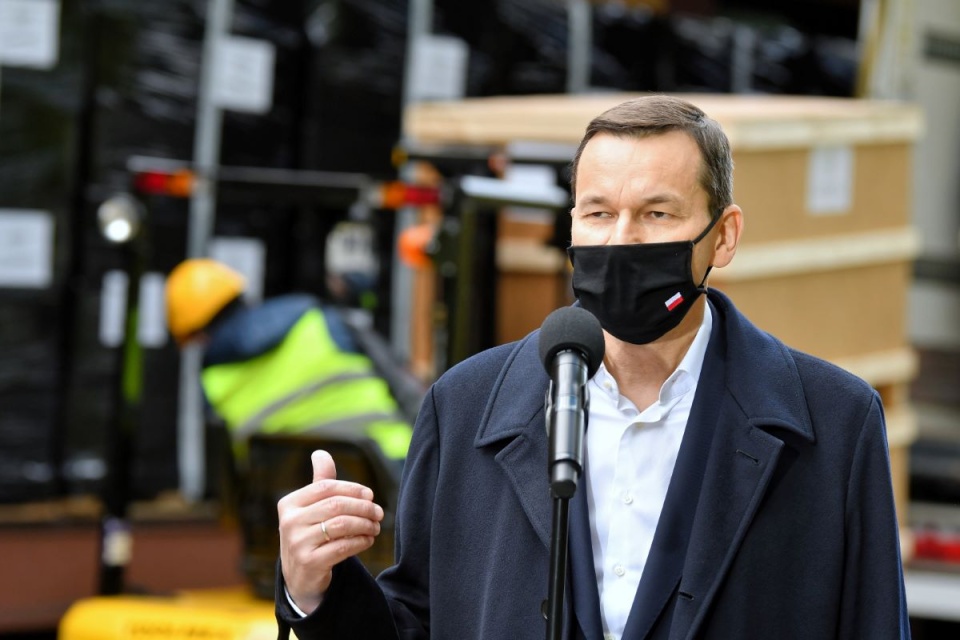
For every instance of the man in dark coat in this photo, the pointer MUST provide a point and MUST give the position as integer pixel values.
(732, 488)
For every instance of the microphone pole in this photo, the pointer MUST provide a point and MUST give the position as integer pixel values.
(571, 349)
(566, 423)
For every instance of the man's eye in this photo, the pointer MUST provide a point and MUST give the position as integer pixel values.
(659, 215)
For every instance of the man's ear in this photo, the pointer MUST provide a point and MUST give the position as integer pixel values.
(727, 239)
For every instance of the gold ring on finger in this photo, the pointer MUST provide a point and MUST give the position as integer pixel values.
(323, 527)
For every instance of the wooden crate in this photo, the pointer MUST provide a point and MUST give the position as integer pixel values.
(834, 297)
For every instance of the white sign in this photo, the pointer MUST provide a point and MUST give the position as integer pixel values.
(26, 248)
(830, 180)
(534, 176)
(439, 68)
(152, 320)
(246, 255)
(350, 249)
(29, 33)
(113, 308)
(243, 74)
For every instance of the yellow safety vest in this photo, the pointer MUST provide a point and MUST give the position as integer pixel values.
(307, 383)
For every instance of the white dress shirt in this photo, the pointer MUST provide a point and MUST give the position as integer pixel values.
(629, 458)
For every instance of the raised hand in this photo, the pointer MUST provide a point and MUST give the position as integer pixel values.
(323, 524)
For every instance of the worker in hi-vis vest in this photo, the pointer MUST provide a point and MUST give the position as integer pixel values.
(288, 365)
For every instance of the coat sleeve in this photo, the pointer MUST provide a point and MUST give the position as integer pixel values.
(873, 599)
(395, 605)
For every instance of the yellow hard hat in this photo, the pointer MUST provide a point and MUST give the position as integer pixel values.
(196, 291)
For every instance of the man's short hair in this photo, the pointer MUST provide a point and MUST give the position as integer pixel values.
(656, 114)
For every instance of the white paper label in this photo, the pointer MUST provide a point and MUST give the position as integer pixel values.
(243, 74)
(152, 320)
(246, 255)
(439, 68)
(29, 33)
(350, 249)
(113, 308)
(533, 176)
(830, 180)
(26, 248)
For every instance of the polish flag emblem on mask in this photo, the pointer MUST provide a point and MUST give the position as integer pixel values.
(674, 301)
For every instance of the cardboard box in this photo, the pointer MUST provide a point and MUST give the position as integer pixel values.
(833, 297)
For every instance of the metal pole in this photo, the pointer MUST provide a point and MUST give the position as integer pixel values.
(580, 41)
(869, 35)
(741, 72)
(419, 23)
(206, 141)
(206, 156)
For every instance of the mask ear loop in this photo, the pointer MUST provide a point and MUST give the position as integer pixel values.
(700, 237)
(704, 281)
(710, 226)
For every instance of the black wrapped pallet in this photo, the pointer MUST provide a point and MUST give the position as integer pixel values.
(144, 73)
(29, 390)
(39, 146)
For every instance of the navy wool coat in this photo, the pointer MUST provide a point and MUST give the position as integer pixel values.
(778, 524)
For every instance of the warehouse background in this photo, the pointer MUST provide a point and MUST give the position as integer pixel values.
(122, 79)
(125, 83)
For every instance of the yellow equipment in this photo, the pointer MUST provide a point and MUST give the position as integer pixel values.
(228, 614)
(197, 290)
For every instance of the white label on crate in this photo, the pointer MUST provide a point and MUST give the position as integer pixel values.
(830, 180)
(246, 255)
(243, 71)
(113, 308)
(439, 69)
(535, 176)
(29, 33)
(151, 321)
(350, 249)
(530, 194)
(26, 248)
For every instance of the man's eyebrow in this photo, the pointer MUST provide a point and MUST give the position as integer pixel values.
(592, 199)
(657, 198)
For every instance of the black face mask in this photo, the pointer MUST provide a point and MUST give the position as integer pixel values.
(638, 292)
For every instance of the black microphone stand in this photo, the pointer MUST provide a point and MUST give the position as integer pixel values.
(566, 424)
(558, 568)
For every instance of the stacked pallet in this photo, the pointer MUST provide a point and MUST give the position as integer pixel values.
(825, 261)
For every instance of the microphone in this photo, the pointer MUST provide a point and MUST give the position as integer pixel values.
(571, 349)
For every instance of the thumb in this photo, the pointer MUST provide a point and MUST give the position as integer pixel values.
(323, 466)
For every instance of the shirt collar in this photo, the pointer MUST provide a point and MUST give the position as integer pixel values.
(687, 374)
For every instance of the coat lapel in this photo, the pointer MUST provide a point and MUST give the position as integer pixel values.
(515, 414)
(763, 390)
(745, 459)
(515, 419)
(661, 575)
(584, 591)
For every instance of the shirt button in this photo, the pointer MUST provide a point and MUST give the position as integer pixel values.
(609, 636)
(619, 570)
(627, 498)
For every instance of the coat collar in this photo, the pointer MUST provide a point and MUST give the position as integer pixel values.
(763, 377)
(518, 396)
(515, 412)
